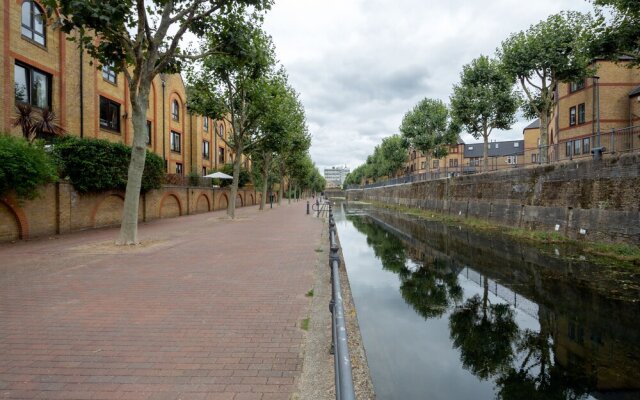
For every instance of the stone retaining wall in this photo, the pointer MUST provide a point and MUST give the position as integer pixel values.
(581, 199)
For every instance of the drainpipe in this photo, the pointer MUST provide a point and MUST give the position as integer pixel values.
(191, 144)
(81, 91)
(164, 134)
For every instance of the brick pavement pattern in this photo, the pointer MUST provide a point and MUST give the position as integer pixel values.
(207, 308)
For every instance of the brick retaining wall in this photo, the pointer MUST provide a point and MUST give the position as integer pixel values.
(60, 209)
(581, 199)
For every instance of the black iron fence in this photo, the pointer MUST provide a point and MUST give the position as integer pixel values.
(594, 145)
(340, 346)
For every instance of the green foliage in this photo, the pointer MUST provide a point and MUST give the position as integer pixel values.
(552, 51)
(24, 167)
(393, 154)
(94, 165)
(620, 36)
(484, 99)
(244, 178)
(429, 128)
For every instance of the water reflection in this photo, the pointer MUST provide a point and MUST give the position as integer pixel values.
(523, 323)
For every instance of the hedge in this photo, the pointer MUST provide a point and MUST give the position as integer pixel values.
(24, 167)
(94, 165)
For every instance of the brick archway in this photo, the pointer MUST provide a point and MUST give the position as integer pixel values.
(223, 201)
(112, 216)
(176, 198)
(203, 204)
(19, 217)
(253, 199)
(239, 197)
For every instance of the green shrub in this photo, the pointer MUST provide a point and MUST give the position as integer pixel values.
(23, 167)
(94, 165)
(244, 178)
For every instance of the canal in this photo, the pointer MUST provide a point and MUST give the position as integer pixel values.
(449, 313)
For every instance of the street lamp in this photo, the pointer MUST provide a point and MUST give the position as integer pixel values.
(597, 151)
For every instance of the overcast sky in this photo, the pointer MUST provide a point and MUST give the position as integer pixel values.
(359, 65)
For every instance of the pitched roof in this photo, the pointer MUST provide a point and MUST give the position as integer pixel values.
(534, 125)
(496, 149)
(635, 92)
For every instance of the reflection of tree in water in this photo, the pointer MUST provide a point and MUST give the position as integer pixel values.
(536, 375)
(521, 362)
(484, 333)
(386, 246)
(430, 289)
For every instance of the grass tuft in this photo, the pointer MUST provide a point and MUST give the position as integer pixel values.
(309, 293)
(305, 324)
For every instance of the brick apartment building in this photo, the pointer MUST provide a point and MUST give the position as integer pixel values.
(42, 68)
(607, 103)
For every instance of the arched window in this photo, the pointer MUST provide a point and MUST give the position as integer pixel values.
(33, 22)
(221, 130)
(175, 110)
(205, 124)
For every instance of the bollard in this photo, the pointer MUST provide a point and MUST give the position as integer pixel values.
(307, 207)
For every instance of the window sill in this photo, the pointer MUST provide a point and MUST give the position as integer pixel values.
(175, 151)
(109, 130)
(33, 42)
(115, 84)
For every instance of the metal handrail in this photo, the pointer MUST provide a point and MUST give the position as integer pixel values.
(340, 346)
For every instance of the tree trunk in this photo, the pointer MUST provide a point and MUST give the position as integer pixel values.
(485, 152)
(485, 297)
(281, 189)
(231, 208)
(139, 100)
(544, 149)
(290, 193)
(265, 180)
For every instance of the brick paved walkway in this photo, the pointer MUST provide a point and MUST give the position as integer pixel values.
(207, 309)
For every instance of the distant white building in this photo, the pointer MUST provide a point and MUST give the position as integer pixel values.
(336, 174)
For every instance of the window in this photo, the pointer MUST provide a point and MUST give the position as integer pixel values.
(423, 165)
(205, 149)
(221, 131)
(149, 130)
(474, 162)
(175, 142)
(436, 164)
(582, 114)
(568, 150)
(204, 171)
(575, 86)
(109, 115)
(33, 27)
(178, 169)
(109, 75)
(534, 158)
(497, 145)
(577, 145)
(586, 145)
(516, 144)
(470, 148)
(32, 86)
(512, 160)
(205, 123)
(175, 110)
(572, 116)
(221, 154)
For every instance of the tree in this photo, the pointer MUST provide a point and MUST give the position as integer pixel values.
(484, 100)
(429, 128)
(552, 51)
(234, 85)
(141, 38)
(283, 119)
(393, 152)
(621, 36)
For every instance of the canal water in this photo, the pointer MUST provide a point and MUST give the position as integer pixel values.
(447, 313)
